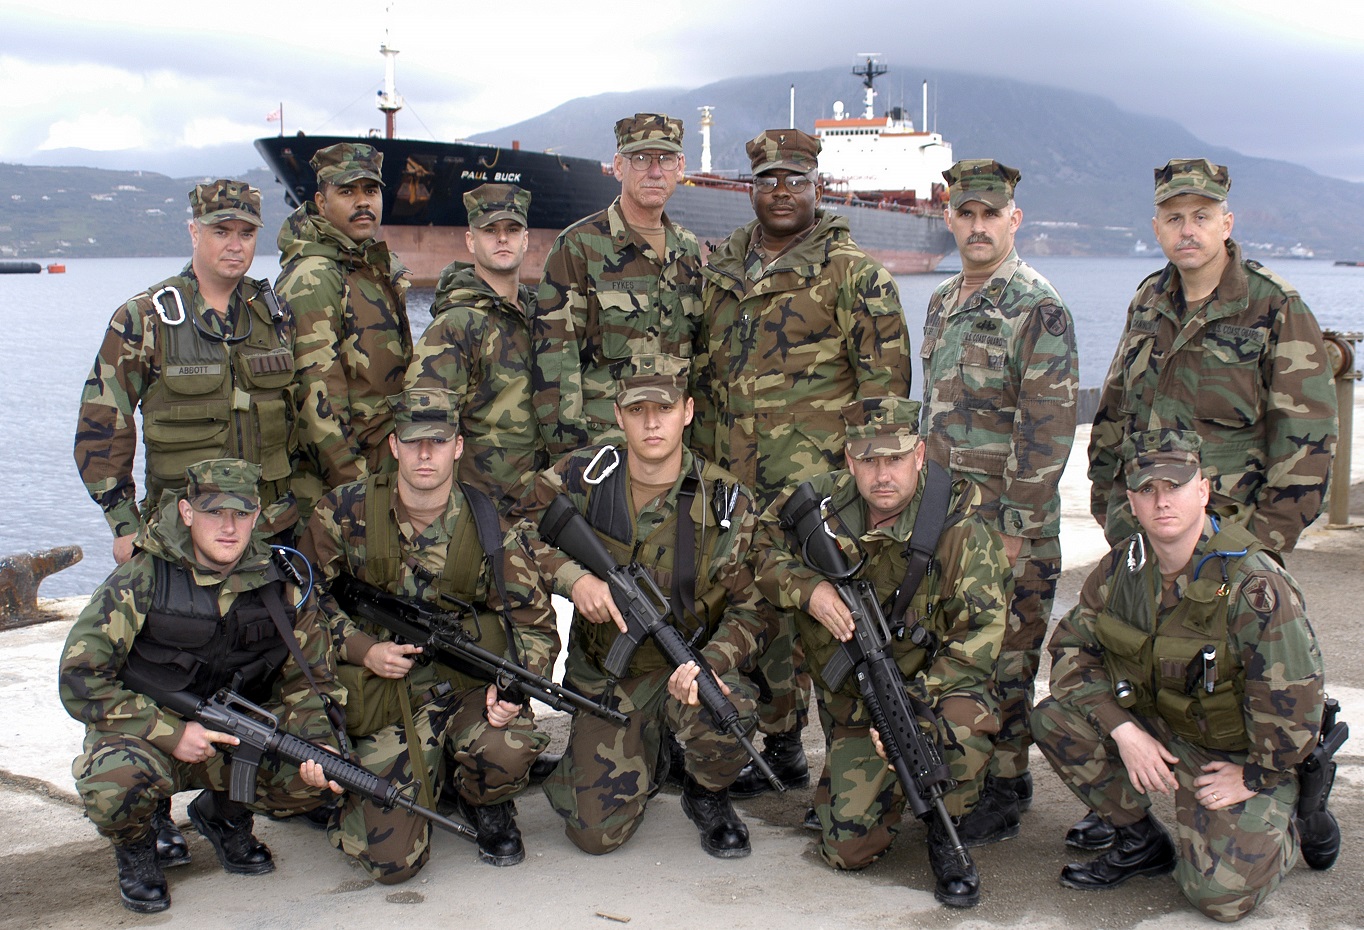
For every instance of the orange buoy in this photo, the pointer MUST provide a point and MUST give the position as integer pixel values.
(56, 268)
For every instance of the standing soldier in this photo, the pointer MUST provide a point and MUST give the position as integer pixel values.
(420, 535)
(1000, 381)
(690, 525)
(800, 321)
(209, 357)
(1188, 668)
(348, 297)
(1220, 345)
(479, 346)
(199, 607)
(620, 283)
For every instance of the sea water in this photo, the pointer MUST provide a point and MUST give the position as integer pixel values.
(53, 325)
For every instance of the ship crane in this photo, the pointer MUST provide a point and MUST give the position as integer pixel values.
(869, 72)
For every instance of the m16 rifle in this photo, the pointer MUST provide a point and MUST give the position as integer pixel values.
(441, 631)
(259, 733)
(646, 613)
(897, 716)
(1317, 826)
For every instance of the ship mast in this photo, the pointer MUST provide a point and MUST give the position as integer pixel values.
(869, 73)
(706, 122)
(389, 100)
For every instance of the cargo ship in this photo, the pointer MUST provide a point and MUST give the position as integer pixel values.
(879, 173)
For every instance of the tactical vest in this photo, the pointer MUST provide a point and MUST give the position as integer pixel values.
(464, 557)
(214, 399)
(186, 644)
(608, 511)
(1159, 657)
(885, 569)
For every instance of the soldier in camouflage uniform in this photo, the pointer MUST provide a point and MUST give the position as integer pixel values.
(799, 322)
(619, 283)
(199, 603)
(208, 357)
(1188, 667)
(872, 507)
(479, 346)
(651, 502)
(1222, 346)
(1000, 380)
(348, 296)
(401, 532)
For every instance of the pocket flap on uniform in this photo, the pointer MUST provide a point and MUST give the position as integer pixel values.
(978, 461)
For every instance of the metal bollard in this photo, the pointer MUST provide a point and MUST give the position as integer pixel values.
(1340, 349)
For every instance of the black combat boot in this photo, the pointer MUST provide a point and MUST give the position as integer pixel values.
(1319, 834)
(227, 825)
(723, 834)
(1020, 787)
(785, 754)
(1144, 848)
(994, 818)
(171, 848)
(811, 821)
(958, 881)
(499, 838)
(1091, 832)
(141, 883)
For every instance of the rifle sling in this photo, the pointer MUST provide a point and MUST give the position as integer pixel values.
(923, 539)
(336, 715)
(684, 556)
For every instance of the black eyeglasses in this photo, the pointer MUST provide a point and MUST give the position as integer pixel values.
(641, 161)
(795, 183)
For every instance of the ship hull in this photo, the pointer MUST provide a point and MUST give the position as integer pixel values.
(424, 217)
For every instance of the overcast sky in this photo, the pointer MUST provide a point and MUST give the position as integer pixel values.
(1274, 78)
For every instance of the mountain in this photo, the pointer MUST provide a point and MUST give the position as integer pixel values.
(53, 212)
(1087, 165)
(1086, 188)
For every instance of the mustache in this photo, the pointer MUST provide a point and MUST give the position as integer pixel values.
(884, 486)
(979, 238)
(1189, 243)
(362, 213)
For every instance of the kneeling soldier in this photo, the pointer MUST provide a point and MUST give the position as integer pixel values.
(421, 535)
(1188, 667)
(689, 524)
(955, 610)
(200, 606)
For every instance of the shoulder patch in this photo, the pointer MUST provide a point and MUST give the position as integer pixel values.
(1054, 319)
(1260, 595)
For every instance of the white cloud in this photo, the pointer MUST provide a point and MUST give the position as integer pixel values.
(101, 131)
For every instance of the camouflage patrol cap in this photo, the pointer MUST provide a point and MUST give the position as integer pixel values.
(488, 203)
(1168, 454)
(658, 379)
(648, 131)
(881, 426)
(1192, 176)
(425, 413)
(222, 200)
(223, 484)
(981, 179)
(348, 161)
(784, 148)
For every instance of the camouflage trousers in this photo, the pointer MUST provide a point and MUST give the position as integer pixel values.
(609, 773)
(1034, 590)
(486, 764)
(122, 778)
(859, 800)
(503, 474)
(779, 674)
(1229, 859)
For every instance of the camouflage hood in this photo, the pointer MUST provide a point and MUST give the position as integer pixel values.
(829, 231)
(307, 233)
(166, 537)
(460, 285)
